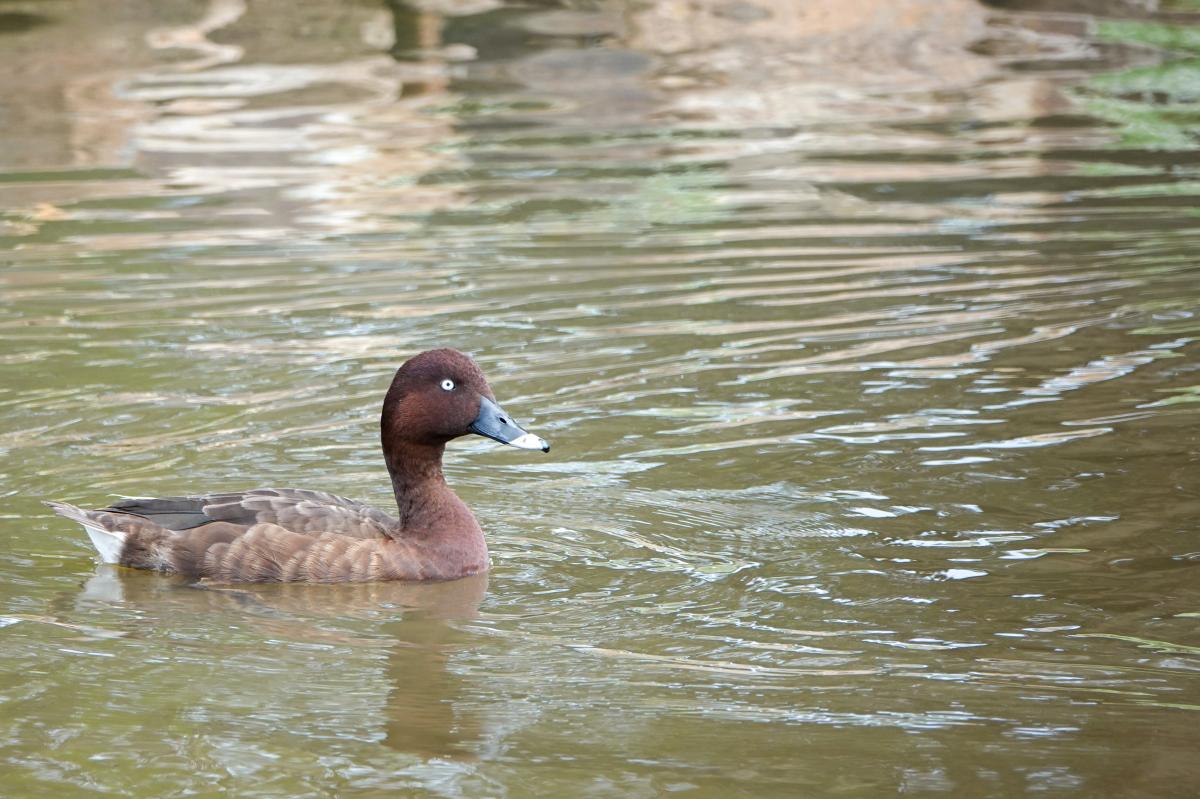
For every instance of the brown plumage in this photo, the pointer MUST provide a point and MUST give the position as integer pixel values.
(293, 535)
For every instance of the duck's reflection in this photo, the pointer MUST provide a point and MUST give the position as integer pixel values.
(423, 712)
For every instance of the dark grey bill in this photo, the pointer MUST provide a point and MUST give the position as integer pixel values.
(492, 422)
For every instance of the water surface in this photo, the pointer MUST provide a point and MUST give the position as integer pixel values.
(866, 335)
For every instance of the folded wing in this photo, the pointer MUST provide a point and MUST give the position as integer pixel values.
(293, 509)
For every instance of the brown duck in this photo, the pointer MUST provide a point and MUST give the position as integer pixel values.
(293, 535)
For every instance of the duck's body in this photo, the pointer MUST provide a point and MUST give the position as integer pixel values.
(277, 535)
(294, 535)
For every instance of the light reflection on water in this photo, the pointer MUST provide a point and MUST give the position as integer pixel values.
(865, 334)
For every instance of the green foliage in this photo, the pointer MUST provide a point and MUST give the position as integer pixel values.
(1179, 79)
(1187, 394)
(1153, 107)
(1155, 34)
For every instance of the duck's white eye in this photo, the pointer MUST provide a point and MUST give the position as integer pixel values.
(447, 385)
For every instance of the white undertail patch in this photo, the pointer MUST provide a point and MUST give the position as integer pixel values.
(108, 543)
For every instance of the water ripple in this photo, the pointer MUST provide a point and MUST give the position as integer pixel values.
(866, 337)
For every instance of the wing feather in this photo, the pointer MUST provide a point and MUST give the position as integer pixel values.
(298, 510)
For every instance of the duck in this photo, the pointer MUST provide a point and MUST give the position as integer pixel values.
(288, 535)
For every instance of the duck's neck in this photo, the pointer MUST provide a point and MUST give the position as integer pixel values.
(427, 505)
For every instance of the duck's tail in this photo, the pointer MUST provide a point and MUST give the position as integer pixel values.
(109, 542)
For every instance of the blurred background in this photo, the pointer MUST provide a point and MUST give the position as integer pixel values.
(865, 333)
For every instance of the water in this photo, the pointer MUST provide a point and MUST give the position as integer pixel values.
(866, 335)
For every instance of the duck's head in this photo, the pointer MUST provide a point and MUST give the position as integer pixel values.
(441, 394)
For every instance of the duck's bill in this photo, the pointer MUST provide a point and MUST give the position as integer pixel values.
(492, 422)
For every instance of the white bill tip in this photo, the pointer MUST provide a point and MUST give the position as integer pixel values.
(529, 441)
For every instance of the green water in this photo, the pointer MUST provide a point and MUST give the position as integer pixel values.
(866, 334)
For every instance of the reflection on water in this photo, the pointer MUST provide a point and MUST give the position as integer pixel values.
(411, 631)
(868, 331)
